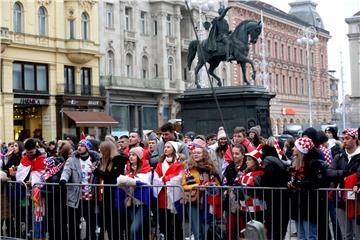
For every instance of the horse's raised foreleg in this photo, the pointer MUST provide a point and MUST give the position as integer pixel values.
(213, 66)
(243, 69)
(197, 69)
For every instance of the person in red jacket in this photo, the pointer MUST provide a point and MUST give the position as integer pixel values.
(252, 203)
(239, 137)
(169, 171)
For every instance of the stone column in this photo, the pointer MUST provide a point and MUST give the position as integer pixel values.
(49, 120)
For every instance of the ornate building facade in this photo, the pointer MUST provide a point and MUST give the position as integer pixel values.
(354, 45)
(49, 68)
(143, 69)
(286, 63)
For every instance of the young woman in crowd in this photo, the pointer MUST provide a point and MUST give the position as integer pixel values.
(252, 202)
(111, 166)
(14, 156)
(199, 171)
(137, 200)
(231, 177)
(308, 173)
(169, 172)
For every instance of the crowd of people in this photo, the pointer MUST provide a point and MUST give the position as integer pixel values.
(158, 177)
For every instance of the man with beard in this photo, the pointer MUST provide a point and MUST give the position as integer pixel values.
(217, 151)
(344, 172)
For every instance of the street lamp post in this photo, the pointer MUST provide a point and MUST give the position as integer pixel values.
(309, 38)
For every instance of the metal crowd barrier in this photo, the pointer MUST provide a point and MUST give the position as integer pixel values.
(206, 212)
(14, 207)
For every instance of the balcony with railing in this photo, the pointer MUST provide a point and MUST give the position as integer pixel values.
(130, 36)
(80, 90)
(138, 83)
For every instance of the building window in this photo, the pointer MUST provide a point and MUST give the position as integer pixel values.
(156, 70)
(85, 79)
(290, 85)
(269, 47)
(110, 65)
(282, 51)
(145, 67)
(276, 50)
(69, 80)
(30, 77)
(295, 55)
(143, 22)
(289, 54)
(71, 23)
(17, 17)
(128, 65)
(168, 25)
(277, 83)
(305, 89)
(283, 84)
(312, 59)
(85, 26)
(298, 86)
(109, 15)
(322, 61)
(42, 21)
(301, 57)
(170, 68)
(155, 27)
(127, 18)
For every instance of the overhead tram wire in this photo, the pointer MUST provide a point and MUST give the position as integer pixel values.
(201, 55)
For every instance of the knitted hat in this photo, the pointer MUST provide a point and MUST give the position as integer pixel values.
(175, 145)
(256, 130)
(198, 143)
(153, 136)
(87, 144)
(352, 132)
(221, 133)
(256, 153)
(138, 151)
(190, 134)
(333, 131)
(313, 135)
(304, 145)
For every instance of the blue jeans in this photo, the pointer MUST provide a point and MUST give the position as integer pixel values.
(199, 226)
(306, 230)
(139, 222)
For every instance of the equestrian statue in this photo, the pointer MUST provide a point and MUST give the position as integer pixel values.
(223, 45)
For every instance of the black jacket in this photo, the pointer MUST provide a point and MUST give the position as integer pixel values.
(118, 168)
(341, 167)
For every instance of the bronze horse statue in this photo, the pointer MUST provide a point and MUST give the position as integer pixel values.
(239, 49)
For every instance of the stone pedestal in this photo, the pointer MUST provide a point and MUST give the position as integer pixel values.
(245, 106)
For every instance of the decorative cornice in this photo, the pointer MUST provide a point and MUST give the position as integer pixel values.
(87, 4)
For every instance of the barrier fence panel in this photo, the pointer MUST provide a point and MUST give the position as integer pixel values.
(49, 211)
(14, 210)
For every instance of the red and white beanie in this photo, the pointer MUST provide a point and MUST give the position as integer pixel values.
(256, 153)
(304, 145)
(352, 132)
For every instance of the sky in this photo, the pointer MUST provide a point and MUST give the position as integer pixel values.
(333, 14)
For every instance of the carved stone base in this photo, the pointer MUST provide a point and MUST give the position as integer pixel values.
(245, 106)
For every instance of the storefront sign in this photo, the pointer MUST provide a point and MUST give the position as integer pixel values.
(31, 101)
(83, 102)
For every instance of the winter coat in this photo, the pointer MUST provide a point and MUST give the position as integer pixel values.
(72, 174)
(306, 202)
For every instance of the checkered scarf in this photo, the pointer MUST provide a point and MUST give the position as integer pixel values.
(327, 155)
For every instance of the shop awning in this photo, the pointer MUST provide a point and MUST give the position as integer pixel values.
(91, 119)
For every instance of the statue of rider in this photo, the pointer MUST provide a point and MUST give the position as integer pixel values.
(219, 33)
